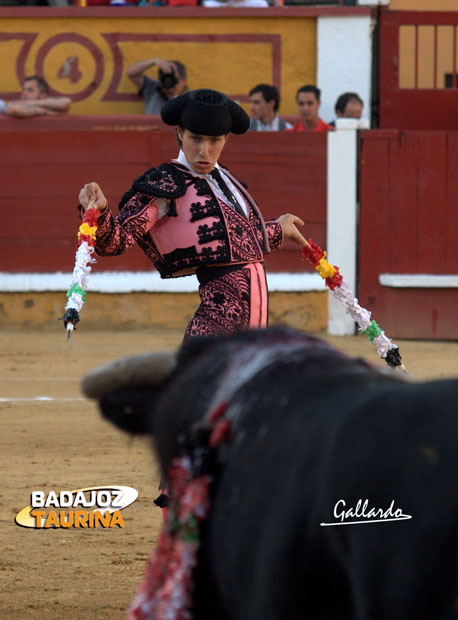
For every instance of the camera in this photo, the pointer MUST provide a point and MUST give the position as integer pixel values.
(167, 80)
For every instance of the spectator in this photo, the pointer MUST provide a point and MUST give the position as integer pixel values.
(155, 93)
(308, 103)
(348, 105)
(264, 103)
(35, 100)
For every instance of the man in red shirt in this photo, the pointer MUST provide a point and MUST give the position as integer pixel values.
(308, 103)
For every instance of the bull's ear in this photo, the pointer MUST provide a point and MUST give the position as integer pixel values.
(149, 370)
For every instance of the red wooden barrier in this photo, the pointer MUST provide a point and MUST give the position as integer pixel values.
(409, 225)
(416, 107)
(45, 162)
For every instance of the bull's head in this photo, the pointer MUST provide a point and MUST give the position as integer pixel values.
(127, 387)
(169, 394)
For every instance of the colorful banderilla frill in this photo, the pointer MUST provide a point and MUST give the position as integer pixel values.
(341, 291)
(83, 260)
(166, 592)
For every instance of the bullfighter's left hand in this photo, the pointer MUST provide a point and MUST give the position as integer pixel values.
(289, 225)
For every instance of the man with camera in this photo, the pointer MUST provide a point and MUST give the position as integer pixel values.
(155, 93)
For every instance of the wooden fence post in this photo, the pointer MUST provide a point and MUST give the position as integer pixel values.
(342, 215)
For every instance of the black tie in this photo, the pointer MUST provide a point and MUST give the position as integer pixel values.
(215, 173)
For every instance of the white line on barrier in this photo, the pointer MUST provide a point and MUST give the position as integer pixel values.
(419, 280)
(40, 399)
(35, 379)
(147, 282)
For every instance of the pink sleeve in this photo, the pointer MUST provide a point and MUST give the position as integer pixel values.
(115, 234)
(274, 234)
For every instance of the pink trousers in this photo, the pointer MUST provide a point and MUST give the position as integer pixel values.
(232, 298)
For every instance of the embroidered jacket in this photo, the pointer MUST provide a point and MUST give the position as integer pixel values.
(198, 230)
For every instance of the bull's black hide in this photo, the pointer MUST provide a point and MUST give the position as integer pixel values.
(310, 427)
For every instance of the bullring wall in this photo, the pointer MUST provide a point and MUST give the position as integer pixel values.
(45, 162)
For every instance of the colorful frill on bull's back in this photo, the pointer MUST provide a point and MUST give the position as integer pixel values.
(341, 291)
(166, 592)
(84, 258)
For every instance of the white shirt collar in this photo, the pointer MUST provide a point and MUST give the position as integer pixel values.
(272, 125)
(181, 159)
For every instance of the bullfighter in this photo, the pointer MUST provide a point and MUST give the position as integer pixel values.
(192, 215)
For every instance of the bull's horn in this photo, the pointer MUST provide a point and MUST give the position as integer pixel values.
(140, 371)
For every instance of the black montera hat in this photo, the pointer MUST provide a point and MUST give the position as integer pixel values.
(206, 112)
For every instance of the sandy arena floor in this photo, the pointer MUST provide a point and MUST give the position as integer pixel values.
(63, 444)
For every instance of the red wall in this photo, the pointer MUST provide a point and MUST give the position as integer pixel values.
(415, 108)
(45, 162)
(409, 225)
(408, 201)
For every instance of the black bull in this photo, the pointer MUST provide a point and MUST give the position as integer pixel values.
(313, 434)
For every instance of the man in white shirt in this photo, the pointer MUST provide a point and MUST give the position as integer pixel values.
(264, 104)
(36, 101)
